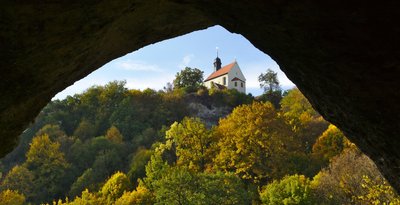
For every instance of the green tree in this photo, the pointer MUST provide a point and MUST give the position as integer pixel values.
(85, 130)
(10, 197)
(232, 97)
(223, 188)
(181, 186)
(107, 162)
(272, 90)
(295, 189)
(269, 81)
(85, 154)
(138, 164)
(155, 169)
(193, 142)
(81, 155)
(189, 79)
(110, 97)
(54, 131)
(176, 187)
(88, 180)
(146, 138)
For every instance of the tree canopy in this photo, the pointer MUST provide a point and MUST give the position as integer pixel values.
(269, 81)
(193, 142)
(189, 79)
(252, 141)
(111, 145)
(272, 89)
(295, 189)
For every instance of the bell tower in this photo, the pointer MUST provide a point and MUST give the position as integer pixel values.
(217, 63)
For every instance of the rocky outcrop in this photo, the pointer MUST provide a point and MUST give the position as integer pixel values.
(209, 115)
(344, 57)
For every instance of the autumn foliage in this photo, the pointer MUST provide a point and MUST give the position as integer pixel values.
(111, 145)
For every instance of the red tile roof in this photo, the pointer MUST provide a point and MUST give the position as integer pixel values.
(224, 70)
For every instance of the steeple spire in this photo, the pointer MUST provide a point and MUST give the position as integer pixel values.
(217, 62)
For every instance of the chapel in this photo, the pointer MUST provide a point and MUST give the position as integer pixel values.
(228, 77)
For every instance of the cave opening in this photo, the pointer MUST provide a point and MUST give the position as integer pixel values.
(153, 67)
(344, 58)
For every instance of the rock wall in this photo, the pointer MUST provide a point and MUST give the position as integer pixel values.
(344, 56)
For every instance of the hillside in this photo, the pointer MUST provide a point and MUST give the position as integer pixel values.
(112, 145)
(83, 123)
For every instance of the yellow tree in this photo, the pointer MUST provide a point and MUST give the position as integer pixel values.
(377, 192)
(44, 152)
(10, 197)
(253, 141)
(306, 123)
(115, 186)
(352, 178)
(48, 166)
(114, 135)
(296, 108)
(20, 179)
(330, 143)
(140, 196)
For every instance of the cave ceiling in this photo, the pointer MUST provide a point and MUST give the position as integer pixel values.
(343, 56)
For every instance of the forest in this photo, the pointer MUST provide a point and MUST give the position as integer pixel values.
(113, 145)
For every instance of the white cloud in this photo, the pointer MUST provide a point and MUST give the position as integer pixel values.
(185, 61)
(135, 65)
(156, 82)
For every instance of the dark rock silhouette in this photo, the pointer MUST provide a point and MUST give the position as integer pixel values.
(344, 57)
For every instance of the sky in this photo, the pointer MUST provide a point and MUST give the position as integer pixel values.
(155, 65)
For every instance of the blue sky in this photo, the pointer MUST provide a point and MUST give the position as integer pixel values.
(155, 65)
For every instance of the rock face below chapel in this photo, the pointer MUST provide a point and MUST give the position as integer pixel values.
(344, 57)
